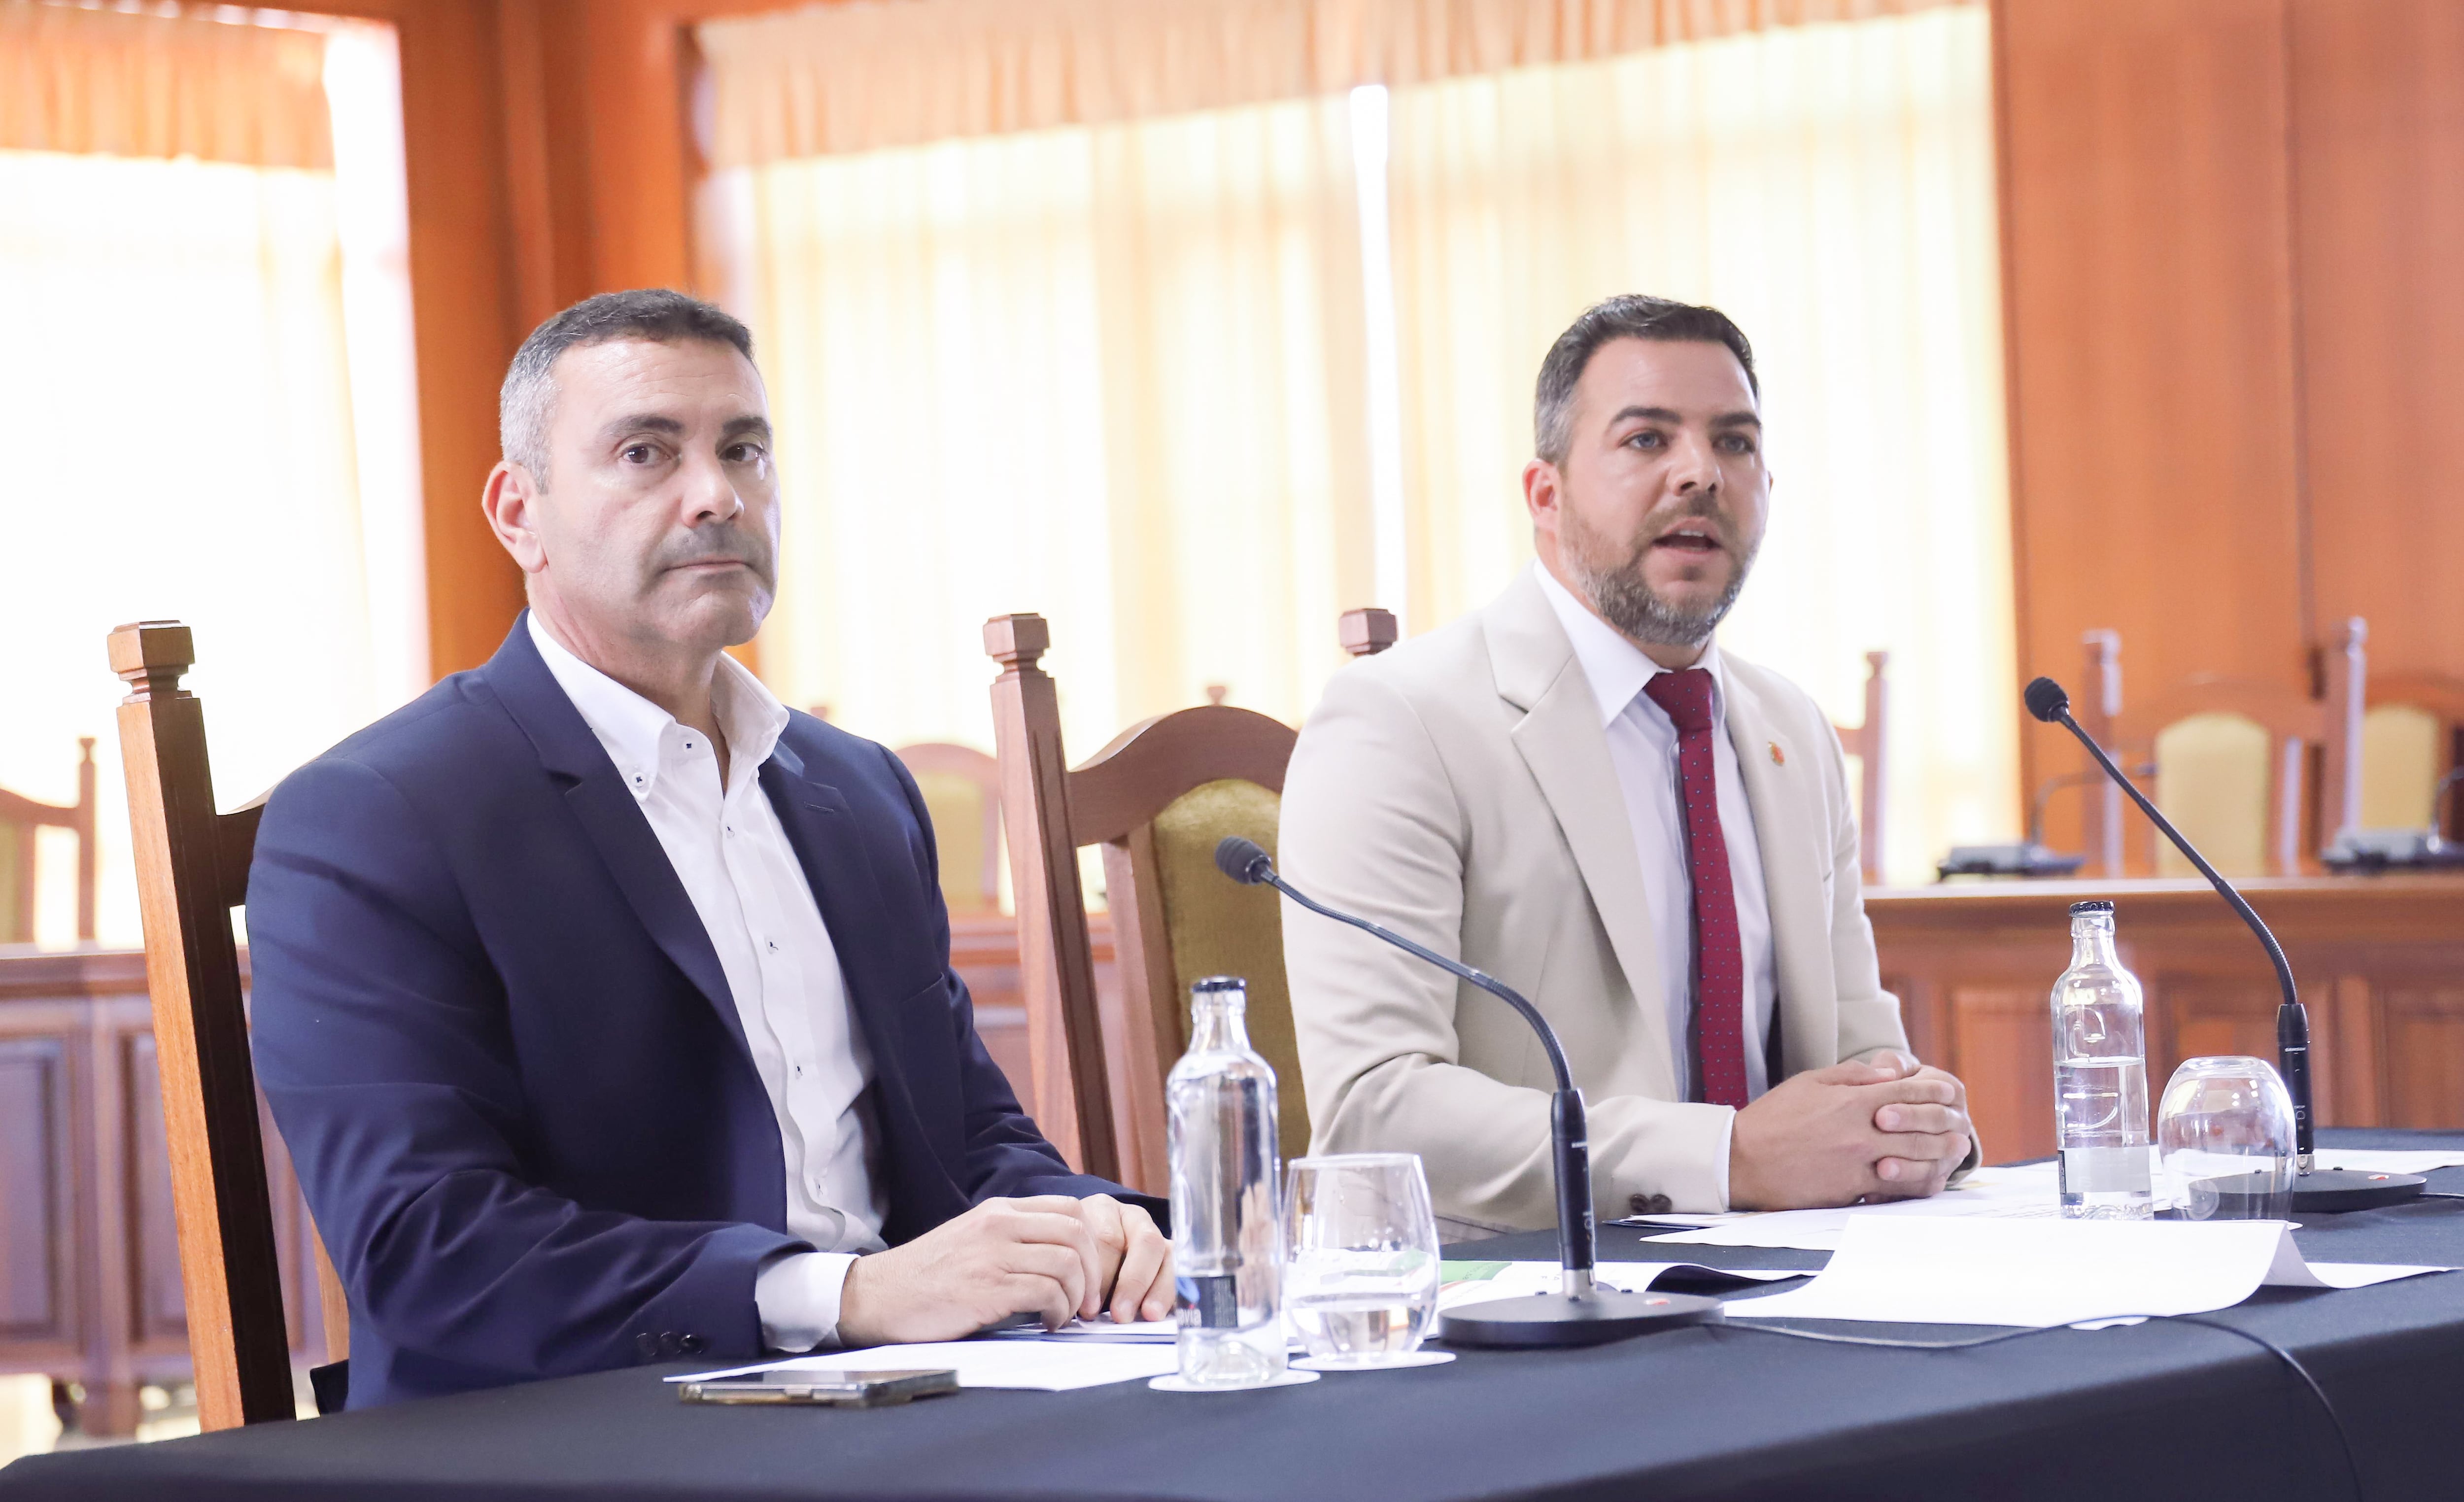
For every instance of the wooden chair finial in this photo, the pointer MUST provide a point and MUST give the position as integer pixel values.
(1017, 641)
(152, 656)
(1368, 631)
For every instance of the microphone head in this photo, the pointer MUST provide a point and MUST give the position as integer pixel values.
(2047, 700)
(1242, 860)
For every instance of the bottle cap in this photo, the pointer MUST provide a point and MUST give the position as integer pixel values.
(1233, 983)
(2099, 905)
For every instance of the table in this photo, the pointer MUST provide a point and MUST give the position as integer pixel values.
(2162, 1409)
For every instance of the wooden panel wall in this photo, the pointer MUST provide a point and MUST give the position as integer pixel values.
(2378, 168)
(2234, 336)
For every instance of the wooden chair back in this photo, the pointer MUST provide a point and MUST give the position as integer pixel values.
(1157, 800)
(1869, 743)
(962, 789)
(2295, 726)
(192, 871)
(20, 817)
(2442, 700)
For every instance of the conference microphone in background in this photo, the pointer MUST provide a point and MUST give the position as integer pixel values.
(1582, 1312)
(2314, 1192)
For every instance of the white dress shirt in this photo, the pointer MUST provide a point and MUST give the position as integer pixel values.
(783, 971)
(1642, 747)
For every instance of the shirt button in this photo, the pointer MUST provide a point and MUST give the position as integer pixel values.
(800, 1071)
(773, 943)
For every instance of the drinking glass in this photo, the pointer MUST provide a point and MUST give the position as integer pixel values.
(1360, 1264)
(2224, 1136)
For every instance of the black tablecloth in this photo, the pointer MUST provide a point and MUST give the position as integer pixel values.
(2163, 1409)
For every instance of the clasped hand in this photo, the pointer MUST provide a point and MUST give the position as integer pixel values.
(1050, 1255)
(1889, 1129)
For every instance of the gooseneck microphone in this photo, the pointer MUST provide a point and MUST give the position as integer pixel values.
(2313, 1192)
(1583, 1312)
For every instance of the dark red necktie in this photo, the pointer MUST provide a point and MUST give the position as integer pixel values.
(1719, 958)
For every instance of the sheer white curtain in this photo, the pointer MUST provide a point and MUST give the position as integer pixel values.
(1110, 373)
(1830, 187)
(180, 357)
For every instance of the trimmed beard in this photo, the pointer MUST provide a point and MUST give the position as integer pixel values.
(1626, 602)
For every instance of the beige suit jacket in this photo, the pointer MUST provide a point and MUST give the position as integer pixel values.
(1458, 790)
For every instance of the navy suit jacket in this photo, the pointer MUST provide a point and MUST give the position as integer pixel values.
(506, 1062)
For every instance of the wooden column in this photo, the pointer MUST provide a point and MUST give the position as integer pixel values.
(186, 888)
(2347, 680)
(2100, 701)
(1065, 1035)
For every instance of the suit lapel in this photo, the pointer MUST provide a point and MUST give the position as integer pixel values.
(611, 818)
(1560, 739)
(1777, 773)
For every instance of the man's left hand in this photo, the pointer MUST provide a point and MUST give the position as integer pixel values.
(1135, 1262)
(1921, 1175)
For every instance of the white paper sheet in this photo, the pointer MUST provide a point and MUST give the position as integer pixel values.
(1039, 1366)
(1989, 1270)
(1520, 1279)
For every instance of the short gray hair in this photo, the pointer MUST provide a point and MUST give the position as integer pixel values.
(1632, 316)
(527, 404)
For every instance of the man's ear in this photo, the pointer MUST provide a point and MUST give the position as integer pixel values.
(1544, 497)
(510, 502)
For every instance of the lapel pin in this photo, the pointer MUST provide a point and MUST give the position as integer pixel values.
(1779, 758)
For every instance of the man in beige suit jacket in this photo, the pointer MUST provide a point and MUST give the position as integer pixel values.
(1498, 790)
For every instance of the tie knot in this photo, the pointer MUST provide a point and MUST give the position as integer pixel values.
(1686, 696)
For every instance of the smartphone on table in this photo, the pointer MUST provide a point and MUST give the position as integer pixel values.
(832, 1389)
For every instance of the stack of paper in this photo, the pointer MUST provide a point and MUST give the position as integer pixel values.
(1988, 1271)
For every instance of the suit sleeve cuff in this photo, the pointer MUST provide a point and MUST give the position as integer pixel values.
(797, 1296)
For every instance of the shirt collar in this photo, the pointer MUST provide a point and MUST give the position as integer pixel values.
(1616, 668)
(637, 732)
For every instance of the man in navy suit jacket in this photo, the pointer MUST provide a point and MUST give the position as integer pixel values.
(605, 1005)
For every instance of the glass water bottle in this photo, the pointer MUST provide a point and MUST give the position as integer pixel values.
(2100, 1077)
(1227, 1246)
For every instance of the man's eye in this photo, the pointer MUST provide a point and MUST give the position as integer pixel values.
(742, 453)
(1736, 443)
(639, 453)
(1648, 438)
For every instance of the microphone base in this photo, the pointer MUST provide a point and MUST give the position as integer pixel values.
(2331, 1191)
(1553, 1319)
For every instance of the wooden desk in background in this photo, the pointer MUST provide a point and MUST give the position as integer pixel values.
(2380, 961)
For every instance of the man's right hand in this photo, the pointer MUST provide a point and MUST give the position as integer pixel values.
(1003, 1257)
(1812, 1139)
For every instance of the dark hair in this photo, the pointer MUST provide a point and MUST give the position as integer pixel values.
(528, 399)
(1632, 316)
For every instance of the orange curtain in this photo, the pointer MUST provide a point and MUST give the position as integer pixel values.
(875, 74)
(112, 83)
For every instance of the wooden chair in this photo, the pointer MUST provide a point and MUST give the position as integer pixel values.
(1158, 799)
(962, 789)
(2293, 725)
(2439, 698)
(20, 817)
(192, 871)
(1869, 743)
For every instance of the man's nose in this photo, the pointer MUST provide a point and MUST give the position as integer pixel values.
(709, 493)
(1694, 468)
